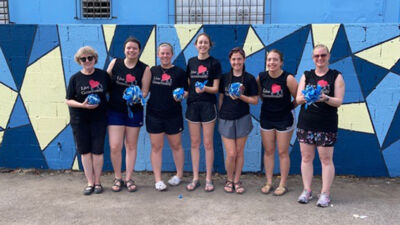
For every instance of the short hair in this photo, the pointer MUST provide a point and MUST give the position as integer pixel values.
(165, 44)
(277, 52)
(86, 50)
(134, 40)
(322, 46)
(207, 36)
(237, 50)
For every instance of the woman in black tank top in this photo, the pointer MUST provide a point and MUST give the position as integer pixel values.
(277, 88)
(124, 129)
(317, 126)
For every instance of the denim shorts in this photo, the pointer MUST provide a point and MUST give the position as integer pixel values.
(122, 119)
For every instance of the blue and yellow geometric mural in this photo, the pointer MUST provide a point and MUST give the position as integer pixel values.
(36, 62)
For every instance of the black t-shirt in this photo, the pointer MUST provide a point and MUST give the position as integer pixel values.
(80, 86)
(277, 100)
(201, 70)
(161, 103)
(235, 109)
(321, 116)
(123, 77)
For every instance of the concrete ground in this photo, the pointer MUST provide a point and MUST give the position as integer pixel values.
(54, 197)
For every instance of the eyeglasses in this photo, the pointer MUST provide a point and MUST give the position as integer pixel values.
(89, 58)
(322, 56)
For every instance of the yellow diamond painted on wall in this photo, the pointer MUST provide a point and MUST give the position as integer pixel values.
(7, 101)
(384, 55)
(355, 117)
(149, 51)
(252, 43)
(43, 92)
(325, 34)
(186, 32)
(108, 30)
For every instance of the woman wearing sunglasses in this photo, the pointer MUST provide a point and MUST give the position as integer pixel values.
(88, 120)
(124, 121)
(164, 114)
(235, 122)
(318, 123)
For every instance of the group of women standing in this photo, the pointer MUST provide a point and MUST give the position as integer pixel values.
(277, 89)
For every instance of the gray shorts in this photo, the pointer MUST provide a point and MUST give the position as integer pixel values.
(233, 129)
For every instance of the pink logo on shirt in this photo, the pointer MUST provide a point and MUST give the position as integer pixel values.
(130, 78)
(201, 69)
(275, 88)
(322, 83)
(93, 83)
(165, 77)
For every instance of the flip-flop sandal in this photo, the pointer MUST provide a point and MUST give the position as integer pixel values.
(239, 189)
(209, 186)
(130, 185)
(281, 190)
(228, 187)
(267, 187)
(117, 185)
(193, 185)
(98, 188)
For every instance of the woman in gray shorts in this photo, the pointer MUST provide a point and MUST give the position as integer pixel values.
(234, 117)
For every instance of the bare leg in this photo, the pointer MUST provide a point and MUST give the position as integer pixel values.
(116, 137)
(175, 143)
(195, 139)
(240, 143)
(268, 140)
(157, 144)
(87, 163)
(307, 169)
(98, 161)
(131, 140)
(208, 136)
(283, 141)
(328, 168)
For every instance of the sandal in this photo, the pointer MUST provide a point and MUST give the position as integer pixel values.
(130, 185)
(281, 190)
(228, 187)
(117, 185)
(88, 190)
(266, 189)
(98, 189)
(239, 189)
(193, 185)
(209, 186)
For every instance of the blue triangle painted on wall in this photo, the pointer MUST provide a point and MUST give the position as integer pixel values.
(16, 48)
(6, 76)
(19, 116)
(396, 68)
(393, 133)
(340, 48)
(46, 39)
(391, 155)
(180, 61)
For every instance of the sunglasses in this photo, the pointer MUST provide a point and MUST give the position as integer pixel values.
(89, 58)
(322, 56)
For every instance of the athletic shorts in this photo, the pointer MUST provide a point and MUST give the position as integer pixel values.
(156, 125)
(89, 136)
(122, 119)
(318, 138)
(233, 129)
(280, 126)
(203, 112)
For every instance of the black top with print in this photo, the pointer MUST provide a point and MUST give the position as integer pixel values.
(161, 103)
(80, 86)
(320, 116)
(123, 77)
(277, 100)
(201, 70)
(235, 109)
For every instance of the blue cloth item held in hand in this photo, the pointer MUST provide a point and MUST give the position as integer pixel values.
(311, 94)
(93, 99)
(200, 85)
(133, 95)
(235, 89)
(178, 94)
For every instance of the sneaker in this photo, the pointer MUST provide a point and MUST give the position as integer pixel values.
(324, 200)
(175, 180)
(160, 186)
(305, 197)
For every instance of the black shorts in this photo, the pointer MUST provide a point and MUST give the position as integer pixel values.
(156, 125)
(318, 138)
(280, 126)
(203, 112)
(89, 136)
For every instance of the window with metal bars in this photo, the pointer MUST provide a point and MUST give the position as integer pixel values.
(4, 16)
(96, 9)
(219, 11)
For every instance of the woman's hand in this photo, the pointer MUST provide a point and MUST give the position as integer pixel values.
(85, 105)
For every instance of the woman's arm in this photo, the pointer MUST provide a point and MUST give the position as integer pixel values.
(336, 100)
(110, 67)
(146, 79)
(220, 100)
(300, 97)
(75, 104)
(292, 85)
(249, 99)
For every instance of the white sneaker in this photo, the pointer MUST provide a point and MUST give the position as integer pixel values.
(175, 180)
(160, 186)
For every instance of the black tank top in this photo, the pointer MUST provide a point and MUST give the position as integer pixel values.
(277, 100)
(320, 116)
(123, 77)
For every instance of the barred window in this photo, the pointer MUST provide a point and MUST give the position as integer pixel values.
(92, 9)
(219, 11)
(4, 16)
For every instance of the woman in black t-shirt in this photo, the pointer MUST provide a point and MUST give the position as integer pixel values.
(235, 122)
(201, 111)
(277, 87)
(124, 121)
(317, 126)
(89, 121)
(164, 114)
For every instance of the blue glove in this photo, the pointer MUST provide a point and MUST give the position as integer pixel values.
(200, 85)
(311, 94)
(235, 89)
(178, 94)
(93, 99)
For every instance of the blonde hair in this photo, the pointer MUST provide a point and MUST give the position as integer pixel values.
(322, 46)
(85, 50)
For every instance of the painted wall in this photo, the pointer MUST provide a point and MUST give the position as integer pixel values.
(163, 12)
(36, 62)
